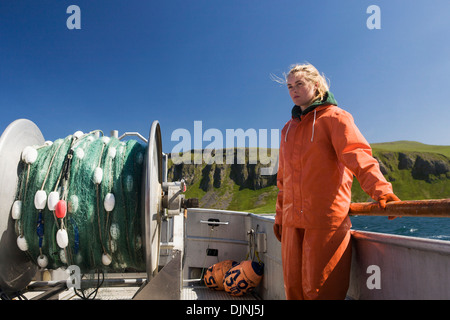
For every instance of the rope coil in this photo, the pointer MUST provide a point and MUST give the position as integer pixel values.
(79, 203)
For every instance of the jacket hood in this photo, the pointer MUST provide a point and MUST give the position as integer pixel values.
(328, 99)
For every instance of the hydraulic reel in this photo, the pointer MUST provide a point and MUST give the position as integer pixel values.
(160, 200)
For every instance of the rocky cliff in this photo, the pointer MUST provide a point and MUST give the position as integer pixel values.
(414, 175)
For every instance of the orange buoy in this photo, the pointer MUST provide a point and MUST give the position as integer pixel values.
(243, 278)
(214, 275)
(61, 209)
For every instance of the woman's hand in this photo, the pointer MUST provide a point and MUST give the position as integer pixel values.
(385, 199)
(277, 231)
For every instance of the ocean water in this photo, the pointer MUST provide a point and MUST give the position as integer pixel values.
(431, 228)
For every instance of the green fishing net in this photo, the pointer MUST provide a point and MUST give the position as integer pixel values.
(92, 231)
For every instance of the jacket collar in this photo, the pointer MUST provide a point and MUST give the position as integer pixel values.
(327, 100)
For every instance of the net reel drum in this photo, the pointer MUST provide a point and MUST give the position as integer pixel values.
(16, 268)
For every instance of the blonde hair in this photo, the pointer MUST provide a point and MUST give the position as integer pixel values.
(311, 74)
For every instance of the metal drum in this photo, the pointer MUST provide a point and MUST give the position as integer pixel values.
(16, 269)
(152, 197)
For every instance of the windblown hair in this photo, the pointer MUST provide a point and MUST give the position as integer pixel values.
(311, 74)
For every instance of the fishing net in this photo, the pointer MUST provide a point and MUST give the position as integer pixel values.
(97, 238)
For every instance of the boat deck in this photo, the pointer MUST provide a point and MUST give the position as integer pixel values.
(204, 293)
(196, 292)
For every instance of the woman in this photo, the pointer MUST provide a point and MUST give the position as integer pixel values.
(321, 149)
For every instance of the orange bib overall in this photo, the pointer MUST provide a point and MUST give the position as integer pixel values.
(319, 154)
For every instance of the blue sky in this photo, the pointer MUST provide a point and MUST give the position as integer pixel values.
(177, 62)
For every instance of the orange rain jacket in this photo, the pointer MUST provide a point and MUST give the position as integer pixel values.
(320, 151)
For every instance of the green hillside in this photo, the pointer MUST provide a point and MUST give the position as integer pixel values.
(416, 171)
(411, 146)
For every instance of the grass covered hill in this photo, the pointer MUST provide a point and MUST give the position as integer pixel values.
(417, 171)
